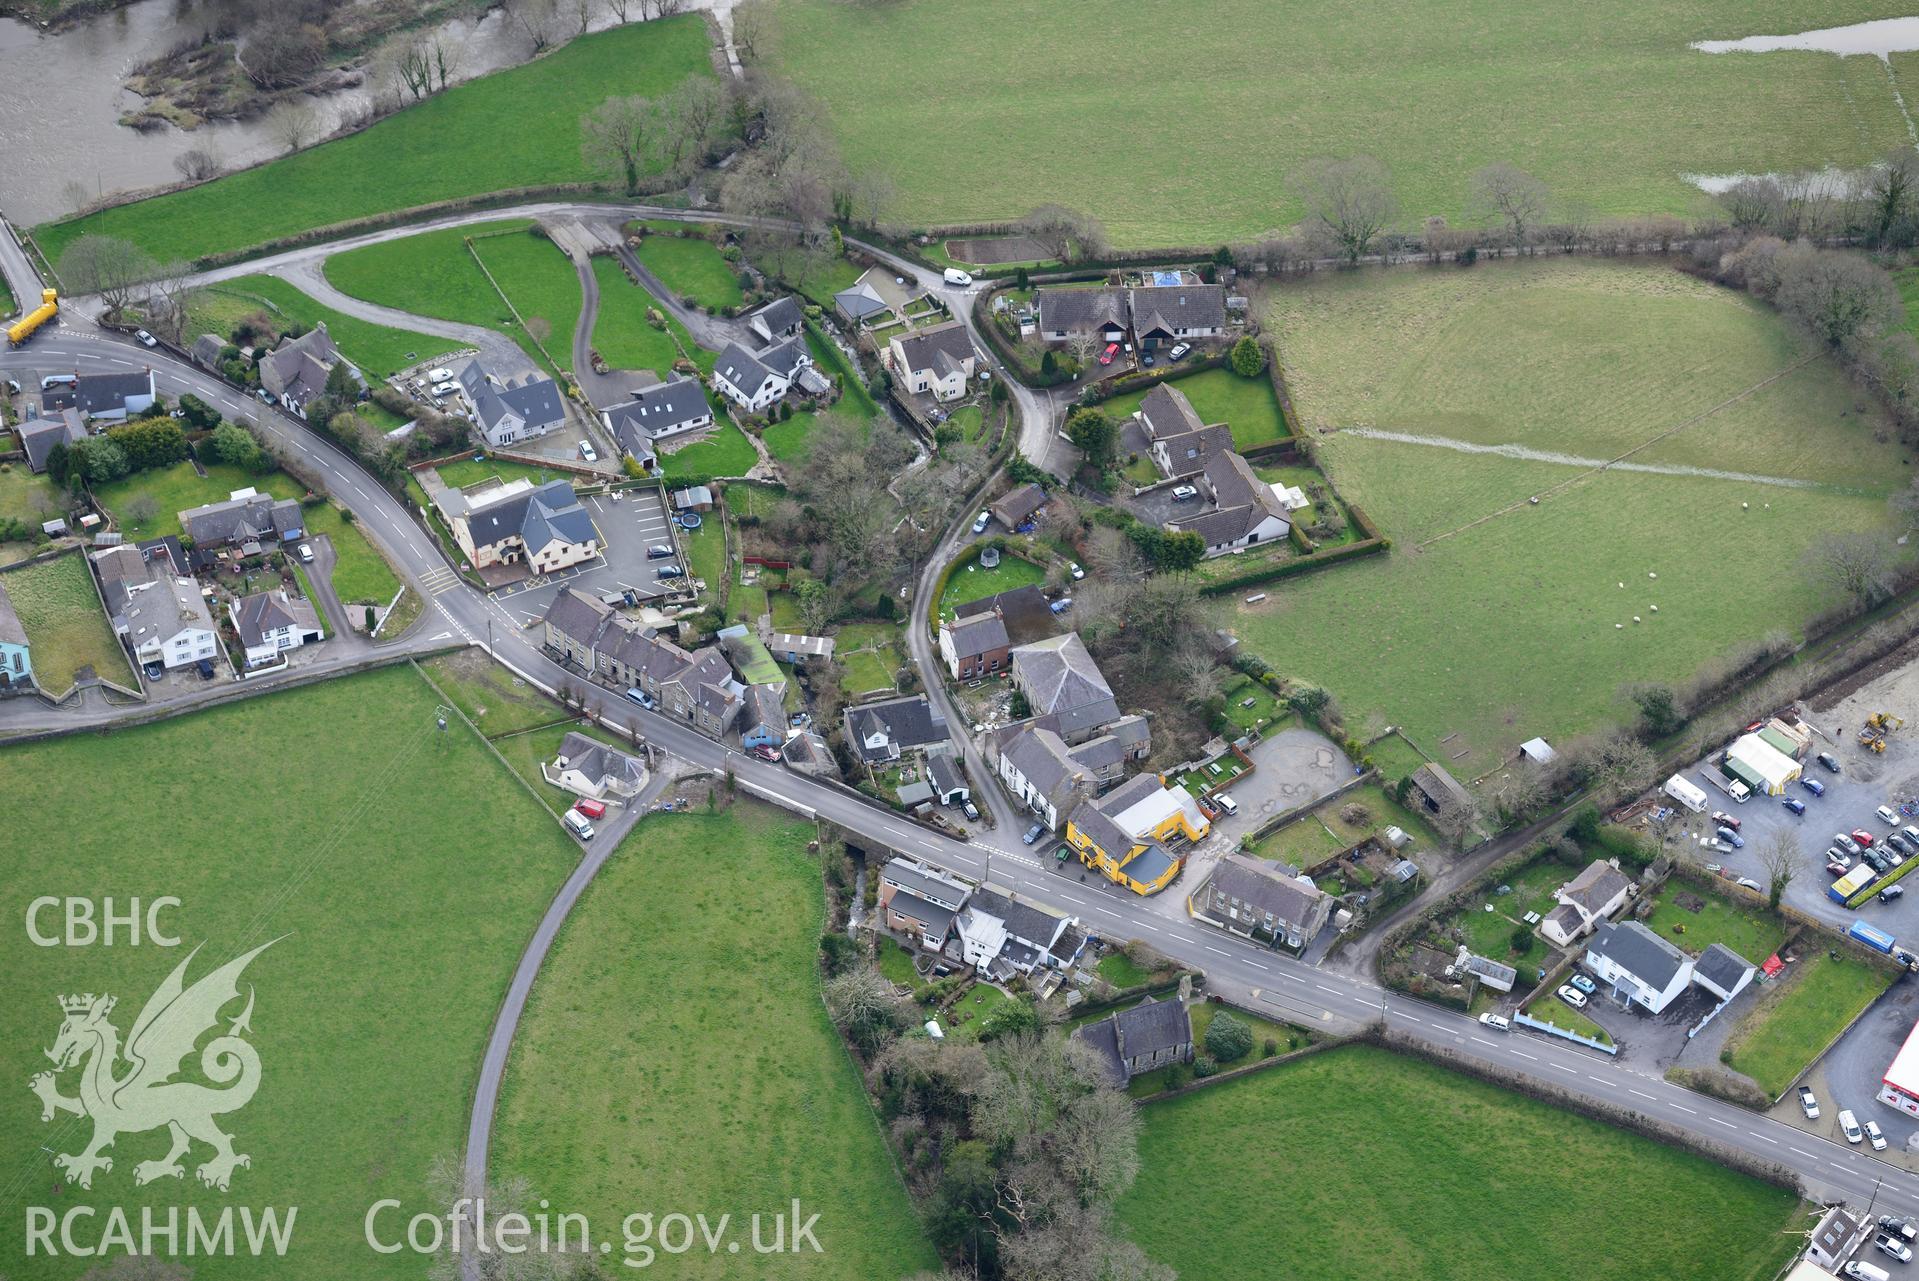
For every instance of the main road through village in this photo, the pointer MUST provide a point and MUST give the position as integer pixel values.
(1262, 979)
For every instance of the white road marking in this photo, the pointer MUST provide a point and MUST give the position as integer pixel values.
(1641, 1093)
(1523, 1055)
(1767, 1138)
(1331, 990)
(1483, 1041)
(1563, 1068)
(1682, 1108)
(1216, 951)
(1256, 965)
(1809, 1156)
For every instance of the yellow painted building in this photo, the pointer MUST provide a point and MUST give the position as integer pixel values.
(1122, 835)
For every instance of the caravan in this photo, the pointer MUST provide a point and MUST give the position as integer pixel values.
(1691, 795)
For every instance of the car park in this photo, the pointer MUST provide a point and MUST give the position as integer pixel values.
(1808, 1103)
(1731, 838)
(658, 551)
(1496, 1022)
(1572, 996)
(669, 571)
(1830, 761)
(146, 339)
(1583, 983)
(1725, 820)
(1864, 837)
(1886, 816)
(1797, 807)
(981, 521)
(1890, 1245)
(1849, 1126)
(1813, 785)
(1875, 1136)
(1033, 833)
(1877, 861)
(1901, 1228)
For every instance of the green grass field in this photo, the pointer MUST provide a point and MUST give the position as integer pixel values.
(371, 1010)
(22, 493)
(726, 452)
(491, 697)
(1607, 105)
(691, 267)
(379, 351)
(66, 626)
(1247, 405)
(620, 332)
(361, 574)
(1519, 626)
(471, 471)
(516, 128)
(971, 582)
(1750, 931)
(1376, 1157)
(542, 285)
(675, 1055)
(1799, 1019)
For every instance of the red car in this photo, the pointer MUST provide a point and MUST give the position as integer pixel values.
(1725, 820)
(1112, 350)
(769, 754)
(1864, 837)
(592, 809)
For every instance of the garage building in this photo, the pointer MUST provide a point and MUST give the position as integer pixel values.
(1760, 765)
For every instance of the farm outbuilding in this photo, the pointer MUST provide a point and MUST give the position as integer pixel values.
(1761, 766)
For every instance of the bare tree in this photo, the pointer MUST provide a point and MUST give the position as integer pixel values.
(538, 20)
(167, 292)
(620, 9)
(581, 11)
(1905, 502)
(866, 1007)
(107, 266)
(684, 122)
(412, 65)
(197, 164)
(282, 54)
(1860, 565)
(1780, 857)
(294, 125)
(1065, 234)
(612, 137)
(1348, 202)
(446, 57)
(1509, 193)
(141, 508)
(752, 29)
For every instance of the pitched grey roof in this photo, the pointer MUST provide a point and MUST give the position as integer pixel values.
(860, 301)
(1060, 675)
(1017, 504)
(1094, 823)
(777, 316)
(106, 393)
(658, 411)
(11, 632)
(1130, 793)
(1637, 950)
(787, 358)
(165, 609)
(1024, 610)
(263, 612)
(907, 723)
(944, 773)
(1721, 966)
(241, 520)
(1191, 451)
(1153, 1027)
(1441, 787)
(1242, 501)
(1166, 412)
(40, 435)
(978, 634)
(1102, 1037)
(743, 369)
(599, 762)
(1024, 921)
(934, 920)
(1039, 755)
(298, 367)
(536, 401)
(809, 753)
(207, 349)
(1596, 886)
(764, 705)
(925, 883)
(537, 517)
(1099, 754)
(939, 348)
(1078, 309)
(577, 616)
(1173, 307)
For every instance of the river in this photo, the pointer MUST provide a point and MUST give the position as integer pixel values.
(61, 102)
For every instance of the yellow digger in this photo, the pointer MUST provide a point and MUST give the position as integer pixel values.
(1872, 736)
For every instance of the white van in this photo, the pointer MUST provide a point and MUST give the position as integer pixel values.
(954, 276)
(1226, 803)
(577, 824)
(1849, 1126)
(1860, 1270)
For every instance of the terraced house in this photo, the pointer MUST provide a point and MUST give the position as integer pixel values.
(698, 687)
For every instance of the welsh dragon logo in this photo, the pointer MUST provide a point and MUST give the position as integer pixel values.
(144, 1096)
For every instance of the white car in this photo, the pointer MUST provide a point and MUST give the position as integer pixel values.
(1572, 996)
(1875, 1136)
(306, 552)
(1809, 1103)
(1849, 1126)
(1893, 1246)
(1887, 817)
(146, 339)
(1181, 493)
(979, 525)
(587, 453)
(441, 375)
(1074, 569)
(1495, 1022)
(954, 276)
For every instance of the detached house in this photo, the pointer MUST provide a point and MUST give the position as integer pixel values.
(879, 733)
(104, 398)
(755, 381)
(1167, 314)
(780, 319)
(1097, 314)
(511, 409)
(38, 436)
(1245, 509)
(1640, 967)
(1584, 902)
(544, 528)
(160, 615)
(1152, 1034)
(587, 767)
(271, 623)
(1123, 834)
(296, 371)
(16, 659)
(921, 901)
(1180, 443)
(672, 407)
(247, 520)
(1059, 678)
(939, 360)
(1257, 899)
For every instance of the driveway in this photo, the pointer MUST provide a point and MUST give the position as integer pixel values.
(340, 634)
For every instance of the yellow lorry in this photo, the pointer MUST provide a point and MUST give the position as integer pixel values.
(22, 329)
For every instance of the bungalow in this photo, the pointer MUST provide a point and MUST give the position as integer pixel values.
(754, 382)
(939, 359)
(271, 623)
(1016, 507)
(1059, 678)
(879, 733)
(545, 528)
(801, 651)
(1095, 314)
(160, 615)
(921, 901)
(1192, 452)
(974, 646)
(38, 436)
(1259, 900)
(1588, 899)
(1152, 1034)
(1168, 314)
(762, 716)
(103, 398)
(675, 406)
(587, 767)
(1039, 771)
(1641, 968)
(297, 370)
(1123, 834)
(780, 319)
(16, 660)
(1002, 937)
(1245, 509)
(511, 409)
(860, 303)
(245, 520)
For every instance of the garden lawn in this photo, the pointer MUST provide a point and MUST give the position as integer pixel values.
(541, 283)
(896, 963)
(705, 550)
(493, 698)
(1119, 969)
(867, 671)
(1550, 1009)
(1750, 931)
(1301, 843)
(791, 441)
(1395, 757)
(471, 471)
(177, 488)
(1264, 714)
(379, 351)
(725, 452)
(65, 623)
(1510, 1205)
(1519, 626)
(514, 128)
(1433, 88)
(621, 333)
(1797, 1020)
(371, 1008)
(21, 492)
(361, 574)
(525, 752)
(970, 582)
(691, 267)
(434, 274)
(717, 1082)
(1247, 405)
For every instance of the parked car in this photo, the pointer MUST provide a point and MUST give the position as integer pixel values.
(1032, 833)
(1893, 1246)
(981, 522)
(1886, 816)
(669, 571)
(1072, 567)
(1876, 860)
(1146, 360)
(1911, 833)
(1837, 867)
(576, 823)
(1572, 996)
(146, 339)
(1901, 1228)
(1900, 843)
(1179, 352)
(1864, 837)
(306, 552)
(658, 551)
(769, 754)
(954, 276)
(1061, 605)
(1846, 843)
(1875, 1136)
(1112, 350)
(1496, 1022)
(205, 667)
(1892, 892)
(1849, 1126)
(1860, 1270)
(590, 807)
(1797, 807)
(1748, 883)
(1184, 493)
(1583, 983)
(1813, 785)
(641, 697)
(1731, 838)
(1830, 761)
(970, 810)
(1725, 820)
(1808, 1103)
(587, 453)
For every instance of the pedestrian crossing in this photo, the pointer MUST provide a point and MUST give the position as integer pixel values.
(439, 580)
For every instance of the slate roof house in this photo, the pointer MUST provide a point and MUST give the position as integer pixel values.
(103, 398)
(1025, 611)
(1245, 510)
(939, 359)
(755, 381)
(1594, 895)
(1001, 936)
(671, 407)
(1257, 899)
(943, 774)
(1069, 313)
(511, 409)
(1192, 453)
(587, 767)
(781, 318)
(921, 901)
(1164, 411)
(1059, 678)
(698, 687)
(1640, 967)
(1014, 507)
(763, 716)
(16, 658)
(859, 303)
(974, 646)
(38, 436)
(271, 623)
(296, 371)
(544, 528)
(1039, 771)
(1140, 1038)
(160, 615)
(1168, 314)
(245, 519)
(1722, 971)
(882, 732)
